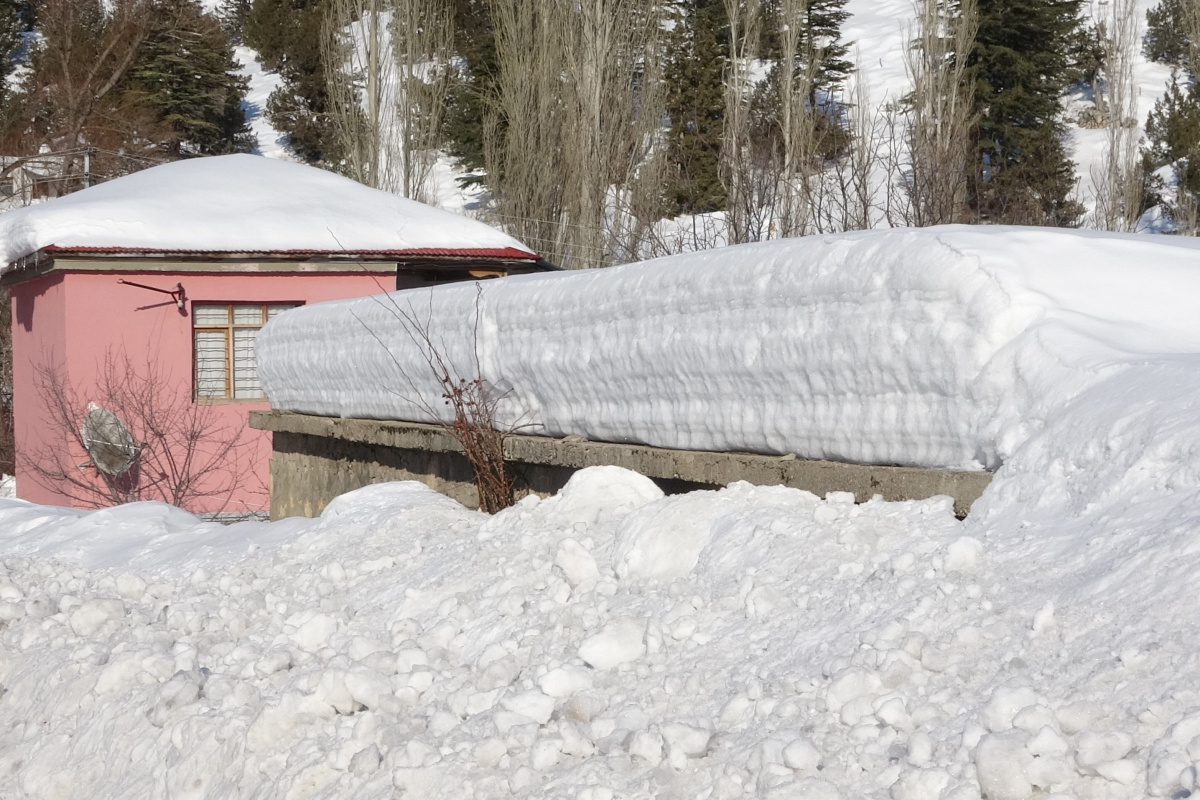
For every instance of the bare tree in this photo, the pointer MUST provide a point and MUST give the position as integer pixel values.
(611, 68)
(571, 140)
(72, 98)
(744, 29)
(1118, 178)
(422, 35)
(797, 121)
(358, 58)
(185, 454)
(849, 183)
(388, 66)
(523, 143)
(940, 117)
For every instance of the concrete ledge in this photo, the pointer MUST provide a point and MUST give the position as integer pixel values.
(312, 450)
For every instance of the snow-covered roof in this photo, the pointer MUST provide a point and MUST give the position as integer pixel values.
(924, 347)
(245, 204)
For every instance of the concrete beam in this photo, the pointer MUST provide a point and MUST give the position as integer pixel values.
(551, 461)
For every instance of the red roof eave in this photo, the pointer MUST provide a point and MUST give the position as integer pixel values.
(466, 252)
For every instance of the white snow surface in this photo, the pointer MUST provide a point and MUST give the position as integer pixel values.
(942, 347)
(611, 642)
(240, 203)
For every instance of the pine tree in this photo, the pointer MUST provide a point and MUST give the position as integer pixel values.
(1173, 139)
(287, 36)
(188, 75)
(822, 23)
(466, 104)
(232, 14)
(696, 106)
(1166, 33)
(1022, 174)
(823, 31)
(11, 26)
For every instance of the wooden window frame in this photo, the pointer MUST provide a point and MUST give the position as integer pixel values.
(227, 329)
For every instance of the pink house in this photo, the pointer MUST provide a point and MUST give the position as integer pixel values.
(143, 297)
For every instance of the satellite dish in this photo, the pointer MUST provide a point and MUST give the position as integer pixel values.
(108, 441)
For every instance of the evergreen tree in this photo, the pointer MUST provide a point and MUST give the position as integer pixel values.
(466, 104)
(1173, 139)
(822, 23)
(1166, 37)
(287, 36)
(11, 26)
(188, 75)
(696, 106)
(1020, 65)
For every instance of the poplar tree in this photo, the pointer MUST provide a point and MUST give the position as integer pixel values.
(1021, 173)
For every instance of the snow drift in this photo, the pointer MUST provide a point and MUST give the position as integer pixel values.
(937, 347)
(241, 203)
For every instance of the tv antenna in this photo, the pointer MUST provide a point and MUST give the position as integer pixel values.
(108, 442)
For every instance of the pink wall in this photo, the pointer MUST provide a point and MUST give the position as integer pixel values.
(75, 319)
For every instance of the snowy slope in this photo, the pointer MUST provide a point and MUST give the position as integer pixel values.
(241, 203)
(271, 143)
(880, 30)
(939, 347)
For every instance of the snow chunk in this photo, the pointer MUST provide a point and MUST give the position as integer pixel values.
(90, 617)
(1002, 763)
(620, 642)
(595, 495)
(313, 630)
(565, 681)
(999, 712)
(532, 704)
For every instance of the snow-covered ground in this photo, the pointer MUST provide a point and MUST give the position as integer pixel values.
(610, 642)
(271, 143)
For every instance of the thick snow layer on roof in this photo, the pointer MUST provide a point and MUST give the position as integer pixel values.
(240, 203)
(935, 347)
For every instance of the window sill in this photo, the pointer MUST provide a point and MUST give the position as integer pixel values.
(223, 401)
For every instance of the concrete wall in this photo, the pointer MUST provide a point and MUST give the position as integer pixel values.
(76, 318)
(317, 458)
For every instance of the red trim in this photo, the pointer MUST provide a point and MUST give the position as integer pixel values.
(466, 252)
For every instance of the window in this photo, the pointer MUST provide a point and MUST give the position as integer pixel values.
(224, 344)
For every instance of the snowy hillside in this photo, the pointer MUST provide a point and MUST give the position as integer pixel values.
(610, 642)
(879, 30)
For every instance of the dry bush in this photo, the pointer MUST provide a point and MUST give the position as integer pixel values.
(187, 455)
(473, 401)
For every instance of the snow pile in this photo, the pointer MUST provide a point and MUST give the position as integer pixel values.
(241, 203)
(608, 642)
(940, 347)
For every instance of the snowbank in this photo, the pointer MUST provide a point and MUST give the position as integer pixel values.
(241, 203)
(940, 347)
(608, 642)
